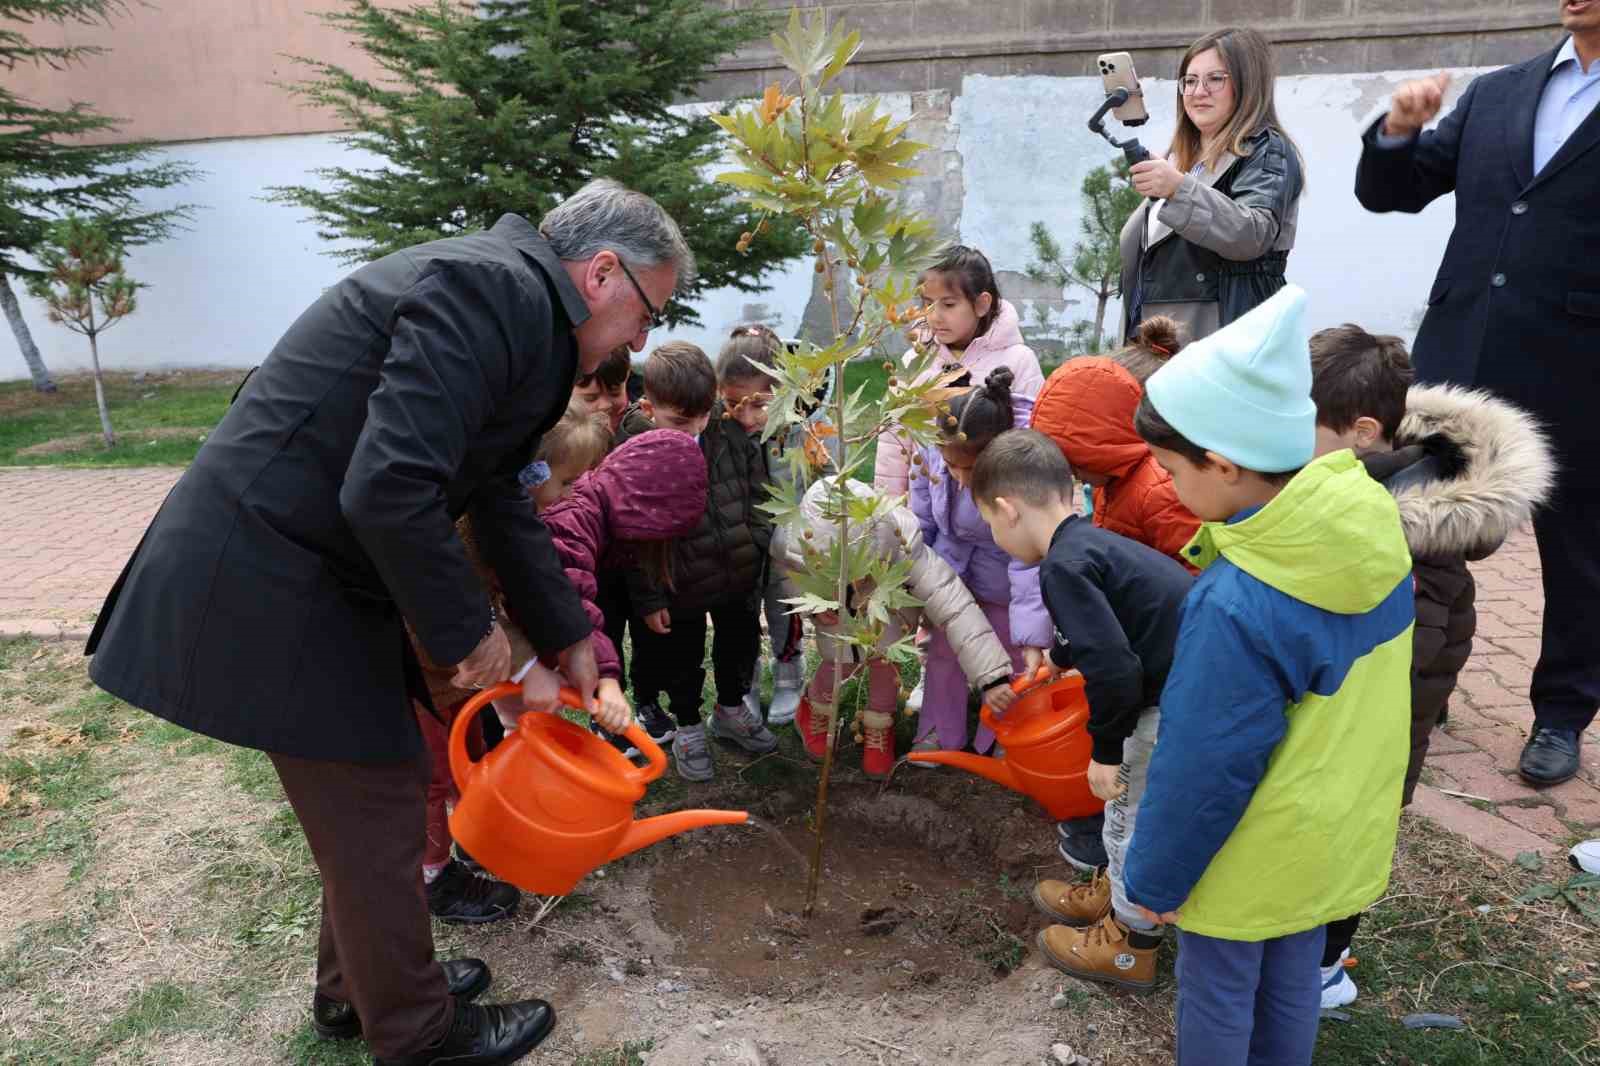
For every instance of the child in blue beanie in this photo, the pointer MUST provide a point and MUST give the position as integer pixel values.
(1274, 791)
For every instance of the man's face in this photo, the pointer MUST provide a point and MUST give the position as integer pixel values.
(601, 400)
(747, 402)
(665, 416)
(1580, 16)
(618, 314)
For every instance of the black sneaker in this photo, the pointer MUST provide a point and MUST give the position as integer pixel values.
(1079, 842)
(616, 740)
(334, 1019)
(460, 898)
(485, 1036)
(473, 865)
(656, 722)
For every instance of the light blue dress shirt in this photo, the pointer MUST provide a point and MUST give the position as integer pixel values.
(1569, 96)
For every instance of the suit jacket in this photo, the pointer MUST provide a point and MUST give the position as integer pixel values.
(1516, 304)
(264, 605)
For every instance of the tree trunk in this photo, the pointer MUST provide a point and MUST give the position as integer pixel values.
(1103, 297)
(100, 394)
(19, 327)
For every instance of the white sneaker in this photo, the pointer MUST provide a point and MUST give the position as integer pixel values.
(914, 701)
(1586, 856)
(788, 681)
(927, 743)
(1337, 988)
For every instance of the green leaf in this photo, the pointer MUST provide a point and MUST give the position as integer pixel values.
(1529, 860)
(842, 55)
(1538, 892)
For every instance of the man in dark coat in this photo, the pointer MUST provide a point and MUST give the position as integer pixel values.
(266, 604)
(1516, 309)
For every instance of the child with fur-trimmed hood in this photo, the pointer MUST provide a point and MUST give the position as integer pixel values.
(1466, 469)
(947, 606)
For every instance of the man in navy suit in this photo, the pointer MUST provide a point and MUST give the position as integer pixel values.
(1516, 309)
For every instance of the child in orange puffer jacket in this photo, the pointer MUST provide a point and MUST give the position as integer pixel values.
(1087, 408)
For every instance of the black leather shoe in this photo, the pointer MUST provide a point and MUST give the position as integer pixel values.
(485, 1036)
(462, 898)
(334, 1019)
(1550, 756)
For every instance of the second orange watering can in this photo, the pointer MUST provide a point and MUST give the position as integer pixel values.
(1047, 746)
(553, 801)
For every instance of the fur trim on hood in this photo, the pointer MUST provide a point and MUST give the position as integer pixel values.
(1506, 470)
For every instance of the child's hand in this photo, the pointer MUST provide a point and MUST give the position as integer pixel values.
(999, 696)
(541, 689)
(1035, 658)
(1169, 918)
(659, 621)
(611, 708)
(1103, 780)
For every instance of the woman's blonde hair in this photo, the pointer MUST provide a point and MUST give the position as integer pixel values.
(1247, 57)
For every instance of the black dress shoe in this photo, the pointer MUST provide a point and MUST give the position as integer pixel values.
(461, 898)
(485, 1036)
(334, 1019)
(1550, 756)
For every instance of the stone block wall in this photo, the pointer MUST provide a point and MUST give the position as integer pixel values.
(921, 45)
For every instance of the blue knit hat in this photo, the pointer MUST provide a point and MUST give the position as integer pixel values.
(1245, 391)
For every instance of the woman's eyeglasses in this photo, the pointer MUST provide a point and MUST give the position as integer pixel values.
(1215, 81)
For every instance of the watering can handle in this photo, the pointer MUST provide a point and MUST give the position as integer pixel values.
(461, 762)
(1019, 685)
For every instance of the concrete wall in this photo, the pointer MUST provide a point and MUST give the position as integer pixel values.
(913, 45)
(1005, 152)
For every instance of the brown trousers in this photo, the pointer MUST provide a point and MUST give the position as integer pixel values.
(365, 825)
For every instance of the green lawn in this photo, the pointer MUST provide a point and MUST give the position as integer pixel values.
(159, 421)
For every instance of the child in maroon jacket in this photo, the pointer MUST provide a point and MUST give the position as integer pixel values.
(648, 492)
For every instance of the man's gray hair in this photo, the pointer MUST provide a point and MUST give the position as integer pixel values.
(605, 215)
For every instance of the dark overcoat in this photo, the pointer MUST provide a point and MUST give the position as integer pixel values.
(264, 605)
(1515, 307)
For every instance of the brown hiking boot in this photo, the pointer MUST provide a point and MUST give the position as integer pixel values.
(1100, 952)
(1073, 902)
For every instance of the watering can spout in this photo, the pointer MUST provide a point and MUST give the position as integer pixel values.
(996, 770)
(647, 831)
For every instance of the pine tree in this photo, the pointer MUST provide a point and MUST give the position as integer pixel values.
(46, 169)
(84, 285)
(1096, 263)
(511, 105)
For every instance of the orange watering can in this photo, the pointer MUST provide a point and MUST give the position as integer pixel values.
(1047, 748)
(553, 801)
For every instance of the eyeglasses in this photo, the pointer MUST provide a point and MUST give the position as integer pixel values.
(657, 319)
(1215, 82)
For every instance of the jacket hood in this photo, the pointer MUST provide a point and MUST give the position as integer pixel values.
(652, 486)
(1492, 467)
(1087, 408)
(1331, 539)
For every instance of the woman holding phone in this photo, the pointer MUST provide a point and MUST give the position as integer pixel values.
(1211, 240)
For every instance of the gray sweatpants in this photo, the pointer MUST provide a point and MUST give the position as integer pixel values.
(1121, 812)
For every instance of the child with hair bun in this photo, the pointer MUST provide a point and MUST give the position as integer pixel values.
(1006, 591)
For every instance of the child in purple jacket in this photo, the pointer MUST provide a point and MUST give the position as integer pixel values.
(1007, 591)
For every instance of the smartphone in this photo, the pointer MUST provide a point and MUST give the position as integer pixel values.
(1116, 72)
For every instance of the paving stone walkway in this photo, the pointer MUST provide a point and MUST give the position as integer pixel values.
(65, 534)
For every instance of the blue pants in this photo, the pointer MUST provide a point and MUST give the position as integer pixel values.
(1249, 1003)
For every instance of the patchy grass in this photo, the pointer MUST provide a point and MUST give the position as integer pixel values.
(630, 1054)
(159, 421)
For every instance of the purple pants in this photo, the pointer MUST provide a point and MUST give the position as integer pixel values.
(945, 687)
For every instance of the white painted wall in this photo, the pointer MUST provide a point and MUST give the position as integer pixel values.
(1374, 270)
(222, 293)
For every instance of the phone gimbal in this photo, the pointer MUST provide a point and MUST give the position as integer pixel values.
(1132, 150)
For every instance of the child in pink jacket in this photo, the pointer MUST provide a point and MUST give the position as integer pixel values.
(975, 329)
